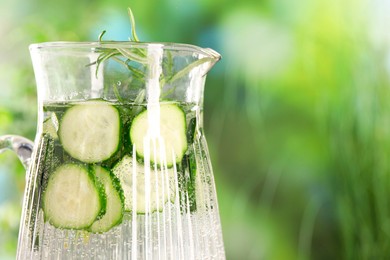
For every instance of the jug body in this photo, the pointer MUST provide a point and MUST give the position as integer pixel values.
(120, 167)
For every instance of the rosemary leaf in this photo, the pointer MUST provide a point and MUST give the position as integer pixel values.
(132, 56)
(185, 71)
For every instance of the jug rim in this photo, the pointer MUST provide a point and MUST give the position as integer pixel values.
(125, 44)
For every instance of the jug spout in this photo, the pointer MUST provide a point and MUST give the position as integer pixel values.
(213, 56)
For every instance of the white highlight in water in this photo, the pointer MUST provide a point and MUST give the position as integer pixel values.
(97, 80)
(152, 137)
(153, 90)
(134, 246)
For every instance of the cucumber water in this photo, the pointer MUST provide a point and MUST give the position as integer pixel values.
(116, 156)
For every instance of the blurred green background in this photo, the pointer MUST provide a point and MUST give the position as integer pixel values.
(297, 113)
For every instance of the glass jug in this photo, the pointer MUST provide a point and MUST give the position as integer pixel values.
(120, 167)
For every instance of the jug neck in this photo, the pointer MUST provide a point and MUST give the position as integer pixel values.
(121, 71)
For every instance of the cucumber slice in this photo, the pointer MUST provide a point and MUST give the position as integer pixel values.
(172, 131)
(161, 187)
(73, 199)
(114, 195)
(50, 126)
(90, 132)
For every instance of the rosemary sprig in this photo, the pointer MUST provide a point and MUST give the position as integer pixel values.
(127, 57)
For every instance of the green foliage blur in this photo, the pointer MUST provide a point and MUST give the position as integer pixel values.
(297, 113)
